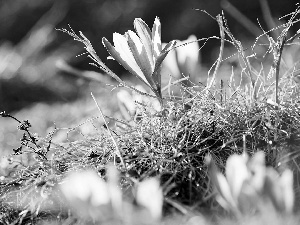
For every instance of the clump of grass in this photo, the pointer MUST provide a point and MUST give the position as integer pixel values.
(172, 143)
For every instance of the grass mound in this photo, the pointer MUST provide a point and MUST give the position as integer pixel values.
(172, 146)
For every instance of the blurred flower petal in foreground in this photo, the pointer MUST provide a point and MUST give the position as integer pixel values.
(149, 195)
(250, 186)
(87, 194)
(92, 198)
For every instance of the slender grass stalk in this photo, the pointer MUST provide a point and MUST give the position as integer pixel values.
(118, 152)
(219, 60)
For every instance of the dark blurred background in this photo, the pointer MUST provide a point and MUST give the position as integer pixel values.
(32, 50)
(30, 46)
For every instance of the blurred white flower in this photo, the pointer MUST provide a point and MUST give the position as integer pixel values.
(149, 195)
(92, 198)
(249, 185)
(86, 192)
(185, 60)
(85, 186)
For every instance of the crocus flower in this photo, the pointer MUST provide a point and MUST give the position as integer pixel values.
(250, 185)
(88, 195)
(150, 195)
(141, 53)
(184, 60)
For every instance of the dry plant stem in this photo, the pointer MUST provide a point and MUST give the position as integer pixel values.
(222, 92)
(219, 60)
(277, 59)
(32, 139)
(174, 83)
(242, 55)
(110, 133)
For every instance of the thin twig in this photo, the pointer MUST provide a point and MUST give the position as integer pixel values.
(219, 60)
(110, 133)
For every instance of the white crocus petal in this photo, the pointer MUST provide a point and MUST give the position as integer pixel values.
(156, 37)
(149, 194)
(236, 174)
(136, 40)
(84, 187)
(258, 159)
(258, 177)
(286, 183)
(258, 170)
(135, 70)
(188, 58)
(140, 55)
(163, 55)
(121, 46)
(170, 63)
(224, 191)
(188, 51)
(221, 185)
(272, 190)
(156, 73)
(114, 190)
(144, 33)
(99, 192)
